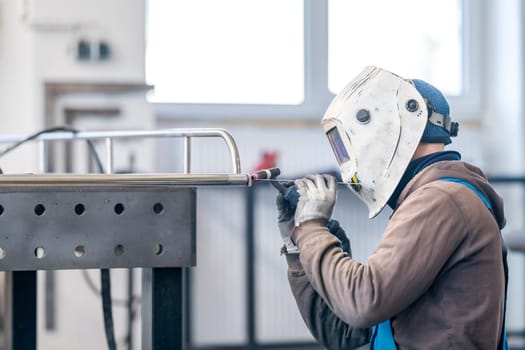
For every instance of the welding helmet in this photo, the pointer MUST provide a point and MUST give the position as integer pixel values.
(374, 126)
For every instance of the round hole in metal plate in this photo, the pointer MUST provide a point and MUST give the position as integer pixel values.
(2, 253)
(40, 209)
(158, 249)
(119, 208)
(40, 252)
(158, 208)
(80, 251)
(119, 250)
(80, 209)
(1, 209)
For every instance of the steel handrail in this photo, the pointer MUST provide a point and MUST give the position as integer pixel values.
(186, 133)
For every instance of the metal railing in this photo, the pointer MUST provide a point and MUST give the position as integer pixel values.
(186, 178)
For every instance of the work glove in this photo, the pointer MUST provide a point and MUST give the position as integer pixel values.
(317, 194)
(286, 204)
(335, 229)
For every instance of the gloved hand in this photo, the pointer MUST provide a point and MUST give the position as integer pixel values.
(317, 194)
(286, 205)
(335, 229)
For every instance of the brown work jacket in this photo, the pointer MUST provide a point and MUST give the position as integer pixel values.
(437, 272)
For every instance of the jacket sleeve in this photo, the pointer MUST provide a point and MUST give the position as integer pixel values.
(328, 329)
(415, 246)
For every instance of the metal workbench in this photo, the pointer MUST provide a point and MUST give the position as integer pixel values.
(82, 221)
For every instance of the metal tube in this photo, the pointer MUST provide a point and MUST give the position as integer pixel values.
(234, 152)
(42, 160)
(109, 155)
(187, 155)
(132, 180)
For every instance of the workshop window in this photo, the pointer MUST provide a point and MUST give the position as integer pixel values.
(260, 59)
(422, 42)
(229, 51)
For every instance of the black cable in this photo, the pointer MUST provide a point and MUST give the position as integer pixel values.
(94, 152)
(131, 311)
(34, 136)
(105, 283)
(132, 303)
(90, 144)
(117, 302)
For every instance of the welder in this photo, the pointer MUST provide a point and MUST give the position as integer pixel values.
(438, 277)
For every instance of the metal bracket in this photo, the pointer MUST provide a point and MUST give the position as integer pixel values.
(90, 227)
(80, 221)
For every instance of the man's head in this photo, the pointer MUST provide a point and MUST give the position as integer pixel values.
(440, 128)
(377, 124)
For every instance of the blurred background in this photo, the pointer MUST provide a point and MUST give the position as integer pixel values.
(265, 70)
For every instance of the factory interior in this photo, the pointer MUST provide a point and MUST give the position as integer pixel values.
(151, 91)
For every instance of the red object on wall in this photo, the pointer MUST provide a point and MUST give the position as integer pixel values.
(268, 160)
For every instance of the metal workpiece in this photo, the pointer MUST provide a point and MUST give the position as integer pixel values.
(83, 228)
(128, 180)
(54, 221)
(51, 221)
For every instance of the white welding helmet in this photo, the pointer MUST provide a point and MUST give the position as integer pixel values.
(374, 126)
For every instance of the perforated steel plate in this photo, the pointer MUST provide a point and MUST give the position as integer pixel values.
(77, 228)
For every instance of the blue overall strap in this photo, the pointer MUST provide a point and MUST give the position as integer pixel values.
(505, 343)
(382, 337)
(472, 187)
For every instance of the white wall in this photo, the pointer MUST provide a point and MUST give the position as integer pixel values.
(37, 39)
(59, 24)
(18, 111)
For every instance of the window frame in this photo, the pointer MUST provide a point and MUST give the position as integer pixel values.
(467, 106)
(317, 96)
